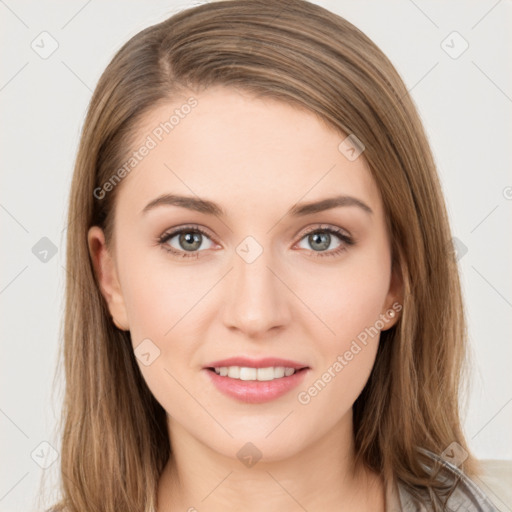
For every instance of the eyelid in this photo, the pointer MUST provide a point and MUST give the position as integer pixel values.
(192, 227)
(321, 227)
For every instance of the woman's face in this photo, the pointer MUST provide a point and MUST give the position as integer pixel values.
(264, 279)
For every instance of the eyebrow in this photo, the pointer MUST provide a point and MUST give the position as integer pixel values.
(297, 210)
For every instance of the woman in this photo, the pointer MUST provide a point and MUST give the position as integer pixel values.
(299, 343)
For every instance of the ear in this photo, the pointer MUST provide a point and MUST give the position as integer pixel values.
(106, 273)
(394, 299)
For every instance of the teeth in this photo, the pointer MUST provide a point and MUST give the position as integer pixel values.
(245, 373)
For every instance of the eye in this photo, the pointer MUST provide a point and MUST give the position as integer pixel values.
(320, 239)
(188, 241)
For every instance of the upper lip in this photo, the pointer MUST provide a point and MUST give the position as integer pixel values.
(265, 362)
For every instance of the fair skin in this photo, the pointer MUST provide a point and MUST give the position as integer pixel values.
(255, 158)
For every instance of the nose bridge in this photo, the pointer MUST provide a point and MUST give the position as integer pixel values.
(257, 301)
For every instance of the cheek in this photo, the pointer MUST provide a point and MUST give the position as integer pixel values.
(351, 308)
(162, 303)
(158, 294)
(159, 305)
(357, 303)
(351, 296)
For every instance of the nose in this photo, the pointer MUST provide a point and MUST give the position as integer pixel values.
(256, 298)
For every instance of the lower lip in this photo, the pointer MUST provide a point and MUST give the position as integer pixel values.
(254, 391)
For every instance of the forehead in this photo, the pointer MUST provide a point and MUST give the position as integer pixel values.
(231, 145)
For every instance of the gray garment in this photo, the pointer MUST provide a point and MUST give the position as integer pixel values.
(462, 495)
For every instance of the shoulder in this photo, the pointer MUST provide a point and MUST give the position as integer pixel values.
(459, 492)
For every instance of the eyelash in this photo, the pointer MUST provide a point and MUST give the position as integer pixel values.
(346, 240)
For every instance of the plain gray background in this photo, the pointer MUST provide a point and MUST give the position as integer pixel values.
(464, 99)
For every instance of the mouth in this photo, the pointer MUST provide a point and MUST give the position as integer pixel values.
(256, 381)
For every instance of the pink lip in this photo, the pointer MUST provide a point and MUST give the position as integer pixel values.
(255, 391)
(266, 362)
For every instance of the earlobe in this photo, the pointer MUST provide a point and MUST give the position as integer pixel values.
(394, 299)
(106, 274)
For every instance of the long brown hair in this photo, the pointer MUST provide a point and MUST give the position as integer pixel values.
(114, 434)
